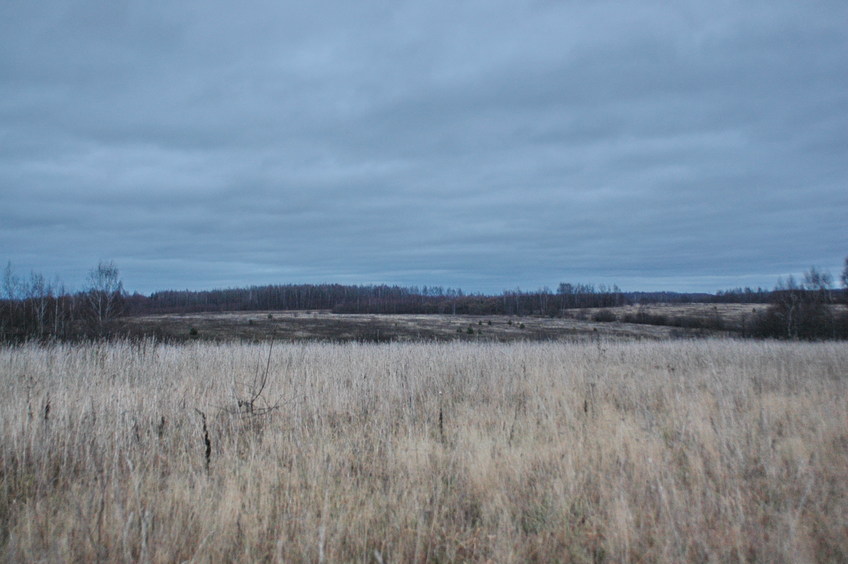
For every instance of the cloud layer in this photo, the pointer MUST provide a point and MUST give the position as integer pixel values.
(485, 145)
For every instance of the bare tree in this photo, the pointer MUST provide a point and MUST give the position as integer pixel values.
(11, 283)
(8, 303)
(844, 276)
(39, 293)
(105, 296)
(804, 309)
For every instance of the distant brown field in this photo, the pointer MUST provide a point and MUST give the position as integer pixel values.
(575, 325)
(603, 451)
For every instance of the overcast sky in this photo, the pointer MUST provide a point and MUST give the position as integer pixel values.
(484, 145)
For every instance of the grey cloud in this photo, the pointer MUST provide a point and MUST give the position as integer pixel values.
(473, 144)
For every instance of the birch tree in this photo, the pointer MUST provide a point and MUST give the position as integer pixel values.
(105, 296)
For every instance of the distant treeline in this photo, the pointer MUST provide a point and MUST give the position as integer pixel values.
(45, 316)
(401, 299)
(426, 300)
(36, 308)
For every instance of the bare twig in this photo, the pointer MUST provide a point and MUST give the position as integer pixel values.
(206, 441)
(248, 406)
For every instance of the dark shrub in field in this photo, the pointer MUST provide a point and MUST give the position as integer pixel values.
(646, 318)
(605, 316)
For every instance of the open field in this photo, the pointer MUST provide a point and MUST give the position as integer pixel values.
(299, 325)
(584, 452)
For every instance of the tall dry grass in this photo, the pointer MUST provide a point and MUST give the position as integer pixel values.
(669, 452)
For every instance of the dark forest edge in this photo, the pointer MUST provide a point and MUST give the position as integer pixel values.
(39, 309)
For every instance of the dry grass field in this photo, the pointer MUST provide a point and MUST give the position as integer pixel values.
(576, 325)
(676, 451)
